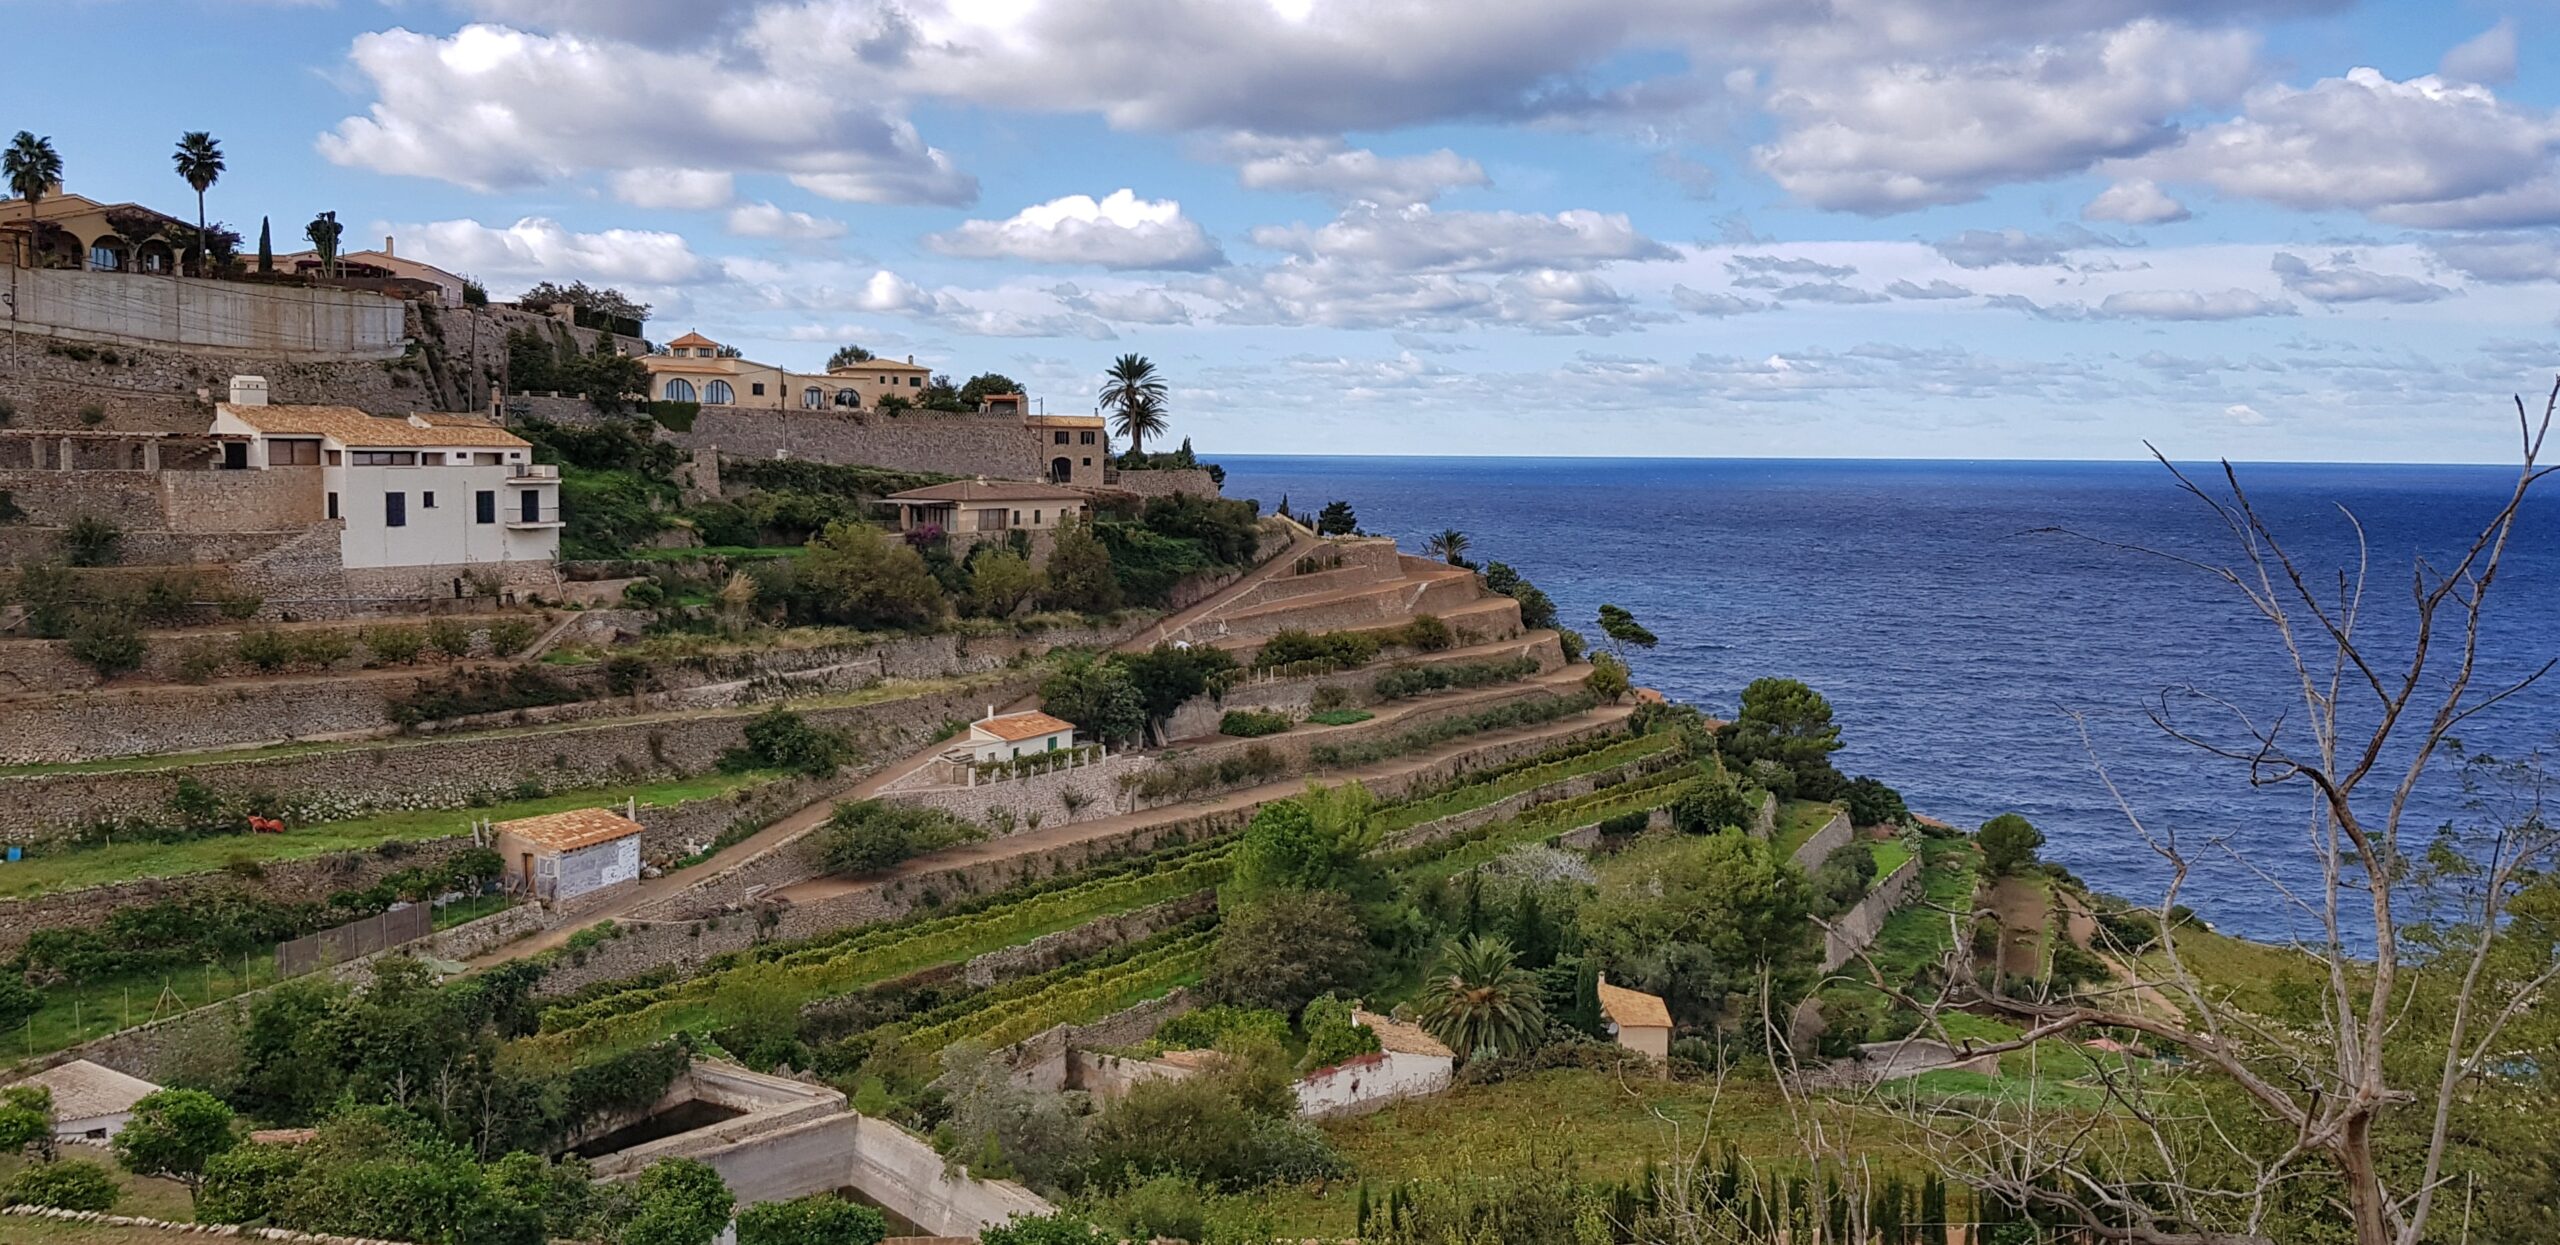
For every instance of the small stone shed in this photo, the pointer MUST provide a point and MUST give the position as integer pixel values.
(559, 857)
(1641, 1022)
(1409, 1063)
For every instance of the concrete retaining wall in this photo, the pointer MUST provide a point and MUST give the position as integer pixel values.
(1852, 931)
(285, 321)
(1833, 835)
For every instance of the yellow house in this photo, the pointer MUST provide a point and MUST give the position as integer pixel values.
(1074, 449)
(694, 368)
(983, 507)
(386, 263)
(75, 231)
(1640, 1022)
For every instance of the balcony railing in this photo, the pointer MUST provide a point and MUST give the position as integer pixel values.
(534, 471)
(547, 516)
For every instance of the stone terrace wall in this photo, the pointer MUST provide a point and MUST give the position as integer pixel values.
(1087, 792)
(449, 772)
(1200, 715)
(48, 666)
(1100, 934)
(1851, 931)
(1567, 789)
(87, 726)
(990, 445)
(1166, 482)
(1833, 836)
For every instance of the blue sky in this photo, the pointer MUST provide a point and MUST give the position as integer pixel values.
(2264, 229)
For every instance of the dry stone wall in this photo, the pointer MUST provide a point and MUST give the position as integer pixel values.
(1165, 482)
(1851, 931)
(338, 783)
(1833, 836)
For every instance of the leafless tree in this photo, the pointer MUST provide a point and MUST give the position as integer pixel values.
(2419, 981)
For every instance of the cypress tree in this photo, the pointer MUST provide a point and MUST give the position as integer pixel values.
(266, 247)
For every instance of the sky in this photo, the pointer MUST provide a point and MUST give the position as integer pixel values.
(2257, 229)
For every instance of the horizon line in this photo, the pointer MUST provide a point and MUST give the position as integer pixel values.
(1834, 458)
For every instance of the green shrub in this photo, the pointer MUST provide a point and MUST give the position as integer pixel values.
(1425, 633)
(71, 1184)
(509, 636)
(818, 1219)
(238, 606)
(1252, 723)
(469, 693)
(866, 836)
(394, 646)
(199, 666)
(111, 644)
(647, 594)
(1339, 650)
(1330, 697)
(1340, 717)
(322, 647)
(92, 541)
(782, 740)
(169, 598)
(264, 649)
(1408, 681)
(450, 636)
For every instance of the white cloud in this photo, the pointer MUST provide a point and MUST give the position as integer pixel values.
(1829, 292)
(1774, 271)
(1417, 239)
(2135, 201)
(2341, 281)
(1119, 231)
(2243, 414)
(2489, 56)
(764, 220)
(1939, 288)
(2502, 257)
(2192, 305)
(2426, 152)
(682, 189)
(1125, 306)
(1892, 137)
(1987, 248)
(1713, 304)
(536, 248)
(493, 108)
(1327, 167)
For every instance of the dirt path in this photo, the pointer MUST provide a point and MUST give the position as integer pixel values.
(2021, 907)
(2083, 929)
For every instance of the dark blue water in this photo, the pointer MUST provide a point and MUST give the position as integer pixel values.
(1961, 653)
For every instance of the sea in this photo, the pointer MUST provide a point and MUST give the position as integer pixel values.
(2008, 636)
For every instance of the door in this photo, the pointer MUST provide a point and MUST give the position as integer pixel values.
(529, 504)
(1060, 471)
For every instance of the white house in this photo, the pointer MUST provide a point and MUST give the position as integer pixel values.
(1005, 737)
(557, 857)
(1409, 1063)
(449, 494)
(91, 1102)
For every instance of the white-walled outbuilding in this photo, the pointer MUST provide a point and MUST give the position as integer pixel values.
(559, 857)
(1409, 1063)
(91, 1102)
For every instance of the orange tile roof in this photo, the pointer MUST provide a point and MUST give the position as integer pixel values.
(1063, 421)
(692, 339)
(1401, 1037)
(569, 831)
(1633, 1009)
(1016, 726)
(354, 428)
(987, 490)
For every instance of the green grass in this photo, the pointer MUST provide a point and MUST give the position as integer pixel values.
(1340, 717)
(1889, 854)
(1798, 820)
(1608, 1127)
(144, 1197)
(125, 862)
(1476, 795)
(1452, 857)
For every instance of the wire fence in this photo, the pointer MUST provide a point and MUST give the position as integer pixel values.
(314, 952)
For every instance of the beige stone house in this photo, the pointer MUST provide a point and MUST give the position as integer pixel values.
(1074, 449)
(980, 508)
(1639, 1021)
(694, 368)
(385, 264)
(75, 231)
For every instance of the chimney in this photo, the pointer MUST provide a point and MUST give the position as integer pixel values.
(248, 391)
(387, 252)
(911, 358)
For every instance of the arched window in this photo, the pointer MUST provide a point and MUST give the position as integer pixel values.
(679, 390)
(812, 398)
(848, 399)
(106, 256)
(716, 393)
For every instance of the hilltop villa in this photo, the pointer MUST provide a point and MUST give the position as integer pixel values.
(980, 508)
(695, 368)
(75, 231)
(383, 265)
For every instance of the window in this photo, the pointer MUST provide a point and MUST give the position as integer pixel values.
(1035, 518)
(333, 505)
(679, 390)
(529, 505)
(293, 453)
(427, 500)
(484, 506)
(486, 459)
(395, 510)
(849, 399)
(757, 389)
(717, 393)
(386, 458)
(1084, 438)
(105, 258)
(1058, 438)
(915, 382)
(335, 456)
(1088, 462)
(1017, 516)
(812, 398)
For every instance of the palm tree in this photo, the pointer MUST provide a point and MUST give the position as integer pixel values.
(1138, 420)
(1479, 999)
(1138, 393)
(199, 161)
(33, 167)
(1450, 546)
